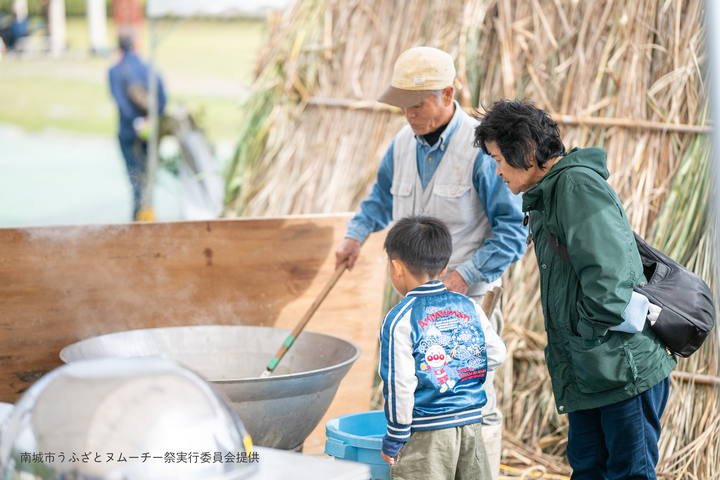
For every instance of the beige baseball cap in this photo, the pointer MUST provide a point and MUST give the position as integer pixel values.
(417, 73)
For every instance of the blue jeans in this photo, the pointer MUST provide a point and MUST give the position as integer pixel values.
(135, 153)
(618, 440)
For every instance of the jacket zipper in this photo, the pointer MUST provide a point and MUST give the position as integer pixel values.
(525, 223)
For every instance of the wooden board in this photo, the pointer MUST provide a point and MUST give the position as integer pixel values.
(59, 285)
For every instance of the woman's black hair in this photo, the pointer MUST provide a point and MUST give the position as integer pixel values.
(423, 244)
(521, 130)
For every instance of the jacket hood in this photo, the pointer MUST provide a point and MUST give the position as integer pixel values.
(594, 158)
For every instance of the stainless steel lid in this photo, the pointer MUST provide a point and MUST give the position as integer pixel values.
(113, 419)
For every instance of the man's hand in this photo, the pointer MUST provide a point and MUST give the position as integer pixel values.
(349, 249)
(390, 460)
(455, 283)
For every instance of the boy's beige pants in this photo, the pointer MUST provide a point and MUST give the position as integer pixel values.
(449, 453)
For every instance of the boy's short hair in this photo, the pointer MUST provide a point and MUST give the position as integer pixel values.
(423, 244)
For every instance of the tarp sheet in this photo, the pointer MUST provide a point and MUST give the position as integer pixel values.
(212, 8)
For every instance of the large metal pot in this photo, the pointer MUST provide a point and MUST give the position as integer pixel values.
(279, 411)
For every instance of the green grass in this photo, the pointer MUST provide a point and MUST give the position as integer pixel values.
(198, 60)
(219, 118)
(39, 102)
(219, 49)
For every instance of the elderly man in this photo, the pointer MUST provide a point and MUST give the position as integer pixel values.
(432, 168)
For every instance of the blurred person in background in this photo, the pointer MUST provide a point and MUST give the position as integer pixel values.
(12, 29)
(129, 88)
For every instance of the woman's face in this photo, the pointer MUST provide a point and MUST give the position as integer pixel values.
(517, 179)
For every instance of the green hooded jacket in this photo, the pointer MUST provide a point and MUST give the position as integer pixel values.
(590, 366)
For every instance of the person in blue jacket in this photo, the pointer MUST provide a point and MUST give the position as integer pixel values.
(131, 73)
(436, 349)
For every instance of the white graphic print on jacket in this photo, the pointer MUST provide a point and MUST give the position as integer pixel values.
(464, 342)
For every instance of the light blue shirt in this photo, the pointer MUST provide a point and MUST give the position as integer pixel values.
(502, 207)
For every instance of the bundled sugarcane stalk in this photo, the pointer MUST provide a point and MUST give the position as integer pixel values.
(313, 138)
(686, 230)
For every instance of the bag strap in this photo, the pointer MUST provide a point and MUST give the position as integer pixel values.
(557, 247)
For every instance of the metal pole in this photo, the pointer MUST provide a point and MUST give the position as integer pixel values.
(712, 20)
(146, 211)
(97, 25)
(56, 20)
(21, 9)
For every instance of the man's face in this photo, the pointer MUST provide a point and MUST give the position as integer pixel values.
(427, 116)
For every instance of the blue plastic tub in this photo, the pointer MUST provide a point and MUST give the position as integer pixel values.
(358, 437)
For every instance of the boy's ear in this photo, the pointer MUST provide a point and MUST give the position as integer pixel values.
(399, 268)
(444, 270)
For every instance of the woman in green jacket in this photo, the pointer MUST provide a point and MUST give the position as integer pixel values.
(613, 385)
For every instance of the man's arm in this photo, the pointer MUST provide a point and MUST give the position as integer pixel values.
(118, 92)
(504, 211)
(374, 215)
(495, 348)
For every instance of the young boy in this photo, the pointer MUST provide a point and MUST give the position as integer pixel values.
(436, 349)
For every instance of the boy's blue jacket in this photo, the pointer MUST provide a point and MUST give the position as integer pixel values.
(436, 348)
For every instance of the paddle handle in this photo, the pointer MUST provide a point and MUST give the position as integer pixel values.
(305, 319)
(492, 297)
